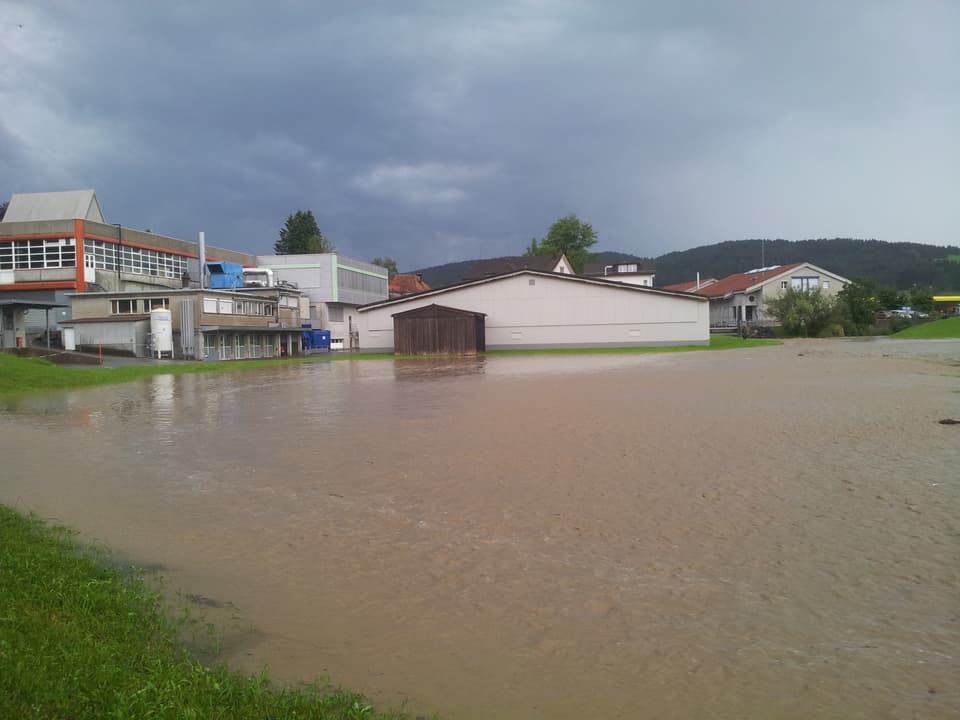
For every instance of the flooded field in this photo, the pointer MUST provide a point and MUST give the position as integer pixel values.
(766, 533)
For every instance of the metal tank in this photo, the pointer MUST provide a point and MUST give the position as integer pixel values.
(161, 332)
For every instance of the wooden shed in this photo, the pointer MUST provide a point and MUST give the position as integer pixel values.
(439, 330)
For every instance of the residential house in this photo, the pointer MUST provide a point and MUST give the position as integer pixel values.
(632, 272)
(498, 266)
(407, 284)
(742, 297)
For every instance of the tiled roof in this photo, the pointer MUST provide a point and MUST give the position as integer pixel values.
(690, 285)
(741, 281)
(498, 266)
(406, 283)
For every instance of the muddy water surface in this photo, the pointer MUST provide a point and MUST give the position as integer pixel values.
(756, 533)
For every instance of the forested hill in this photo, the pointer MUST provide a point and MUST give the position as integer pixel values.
(901, 265)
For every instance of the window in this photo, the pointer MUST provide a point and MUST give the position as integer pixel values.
(224, 306)
(124, 307)
(135, 260)
(209, 346)
(805, 283)
(783, 284)
(825, 285)
(238, 344)
(38, 254)
(210, 305)
(156, 304)
(627, 268)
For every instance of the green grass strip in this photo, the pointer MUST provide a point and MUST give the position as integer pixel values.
(717, 342)
(82, 640)
(936, 330)
(22, 375)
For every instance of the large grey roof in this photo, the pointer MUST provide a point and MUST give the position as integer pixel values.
(67, 205)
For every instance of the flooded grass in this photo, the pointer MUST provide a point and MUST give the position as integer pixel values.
(79, 639)
(20, 375)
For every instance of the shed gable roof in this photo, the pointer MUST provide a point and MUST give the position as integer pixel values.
(435, 310)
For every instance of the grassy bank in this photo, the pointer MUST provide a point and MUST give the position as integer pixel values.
(936, 330)
(19, 375)
(717, 342)
(82, 641)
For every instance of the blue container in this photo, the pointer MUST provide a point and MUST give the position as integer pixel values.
(225, 275)
(322, 338)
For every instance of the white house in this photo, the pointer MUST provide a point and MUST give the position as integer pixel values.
(632, 272)
(537, 309)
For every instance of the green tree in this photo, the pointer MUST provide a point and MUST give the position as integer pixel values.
(532, 249)
(301, 235)
(920, 299)
(858, 304)
(385, 262)
(807, 313)
(568, 236)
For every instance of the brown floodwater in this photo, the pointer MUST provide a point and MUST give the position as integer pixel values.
(770, 532)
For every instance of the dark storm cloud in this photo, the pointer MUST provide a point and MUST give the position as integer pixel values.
(437, 131)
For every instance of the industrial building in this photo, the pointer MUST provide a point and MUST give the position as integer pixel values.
(335, 285)
(536, 309)
(188, 323)
(57, 244)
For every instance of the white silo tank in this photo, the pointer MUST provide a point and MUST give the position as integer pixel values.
(161, 331)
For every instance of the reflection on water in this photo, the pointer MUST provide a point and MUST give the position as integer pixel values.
(765, 533)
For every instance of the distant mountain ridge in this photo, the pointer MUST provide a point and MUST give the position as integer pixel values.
(901, 265)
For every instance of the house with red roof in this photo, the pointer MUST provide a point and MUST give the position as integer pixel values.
(407, 284)
(742, 297)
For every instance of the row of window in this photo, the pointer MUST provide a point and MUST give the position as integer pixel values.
(350, 280)
(140, 261)
(231, 306)
(239, 347)
(138, 305)
(812, 282)
(38, 254)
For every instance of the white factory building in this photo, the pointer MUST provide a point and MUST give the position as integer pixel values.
(529, 309)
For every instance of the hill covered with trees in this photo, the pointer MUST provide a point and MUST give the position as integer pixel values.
(899, 265)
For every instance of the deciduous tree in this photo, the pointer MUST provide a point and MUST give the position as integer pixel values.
(809, 313)
(568, 236)
(385, 262)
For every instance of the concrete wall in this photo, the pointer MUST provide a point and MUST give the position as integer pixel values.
(529, 311)
(312, 274)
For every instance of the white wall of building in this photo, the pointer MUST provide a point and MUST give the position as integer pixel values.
(530, 310)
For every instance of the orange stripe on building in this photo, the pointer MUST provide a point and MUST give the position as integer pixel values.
(79, 233)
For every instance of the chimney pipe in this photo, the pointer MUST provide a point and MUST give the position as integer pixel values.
(203, 260)
(698, 281)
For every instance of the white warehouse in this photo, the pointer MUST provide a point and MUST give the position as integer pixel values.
(534, 309)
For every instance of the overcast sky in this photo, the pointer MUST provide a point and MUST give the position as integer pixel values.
(439, 131)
